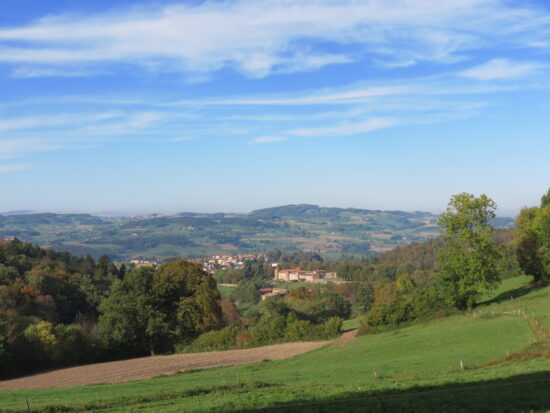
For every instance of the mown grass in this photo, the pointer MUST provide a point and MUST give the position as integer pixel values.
(416, 366)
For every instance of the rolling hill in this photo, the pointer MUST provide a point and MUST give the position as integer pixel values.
(330, 231)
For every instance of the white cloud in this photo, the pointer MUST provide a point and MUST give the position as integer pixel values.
(345, 128)
(259, 38)
(346, 96)
(342, 129)
(502, 69)
(29, 72)
(57, 121)
(10, 148)
(269, 139)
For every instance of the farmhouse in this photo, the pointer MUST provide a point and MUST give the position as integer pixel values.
(297, 274)
(273, 292)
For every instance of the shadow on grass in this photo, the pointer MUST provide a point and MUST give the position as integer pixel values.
(522, 393)
(507, 295)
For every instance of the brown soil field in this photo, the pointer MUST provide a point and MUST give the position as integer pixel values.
(147, 367)
(347, 337)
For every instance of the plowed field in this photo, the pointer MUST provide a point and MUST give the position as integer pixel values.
(147, 367)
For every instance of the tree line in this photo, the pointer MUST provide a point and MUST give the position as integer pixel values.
(57, 309)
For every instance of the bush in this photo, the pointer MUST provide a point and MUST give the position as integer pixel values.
(223, 339)
(332, 327)
(297, 329)
(244, 340)
(270, 329)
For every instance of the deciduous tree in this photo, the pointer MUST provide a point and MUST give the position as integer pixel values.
(469, 259)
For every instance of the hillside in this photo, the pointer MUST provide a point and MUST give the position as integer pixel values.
(331, 231)
(504, 353)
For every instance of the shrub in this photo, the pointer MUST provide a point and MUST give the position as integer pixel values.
(270, 329)
(244, 340)
(297, 329)
(223, 339)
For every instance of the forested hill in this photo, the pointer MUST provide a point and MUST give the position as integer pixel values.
(291, 228)
(315, 211)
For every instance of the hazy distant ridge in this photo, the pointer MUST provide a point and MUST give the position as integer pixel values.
(329, 231)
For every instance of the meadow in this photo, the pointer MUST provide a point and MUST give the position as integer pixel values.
(493, 359)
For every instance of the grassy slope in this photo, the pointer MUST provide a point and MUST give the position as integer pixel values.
(425, 355)
(225, 291)
(350, 324)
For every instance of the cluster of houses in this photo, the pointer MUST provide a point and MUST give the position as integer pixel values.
(297, 274)
(142, 263)
(228, 262)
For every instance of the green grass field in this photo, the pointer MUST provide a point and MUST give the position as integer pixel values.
(350, 324)
(414, 368)
(225, 291)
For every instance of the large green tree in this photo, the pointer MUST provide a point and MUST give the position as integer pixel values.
(131, 322)
(150, 310)
(189, 298)
(469, 260)
(533, 240)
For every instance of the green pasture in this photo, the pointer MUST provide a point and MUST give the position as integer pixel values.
(350, 324)
(225, 291)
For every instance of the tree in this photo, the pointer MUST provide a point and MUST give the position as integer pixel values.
(131, 322)
(469, 259)
(365, 297)
(545, 200)
(533, 240)
(151, 310)
(189, 298)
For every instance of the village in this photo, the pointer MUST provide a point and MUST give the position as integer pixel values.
(230, 262)
(222, 262)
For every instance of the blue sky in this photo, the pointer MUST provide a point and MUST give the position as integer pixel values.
(166, 106)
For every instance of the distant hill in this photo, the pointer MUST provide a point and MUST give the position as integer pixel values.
(310, 211)
(329, 231)
(19, 212)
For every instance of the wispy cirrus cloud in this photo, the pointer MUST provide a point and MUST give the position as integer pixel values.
(60, 120)
(344, 129)
(266, 37)
(502, 69)
(358, 108)
(341, 129)
(269, 139)
(30, 72)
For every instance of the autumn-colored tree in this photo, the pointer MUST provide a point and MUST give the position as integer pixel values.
(189, 298)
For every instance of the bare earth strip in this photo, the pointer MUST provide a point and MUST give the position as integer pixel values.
(147, 367)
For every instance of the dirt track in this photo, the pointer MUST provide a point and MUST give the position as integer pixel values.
(147, 367)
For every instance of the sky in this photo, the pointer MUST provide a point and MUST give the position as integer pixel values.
(168, 106)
